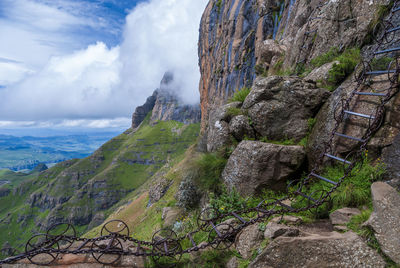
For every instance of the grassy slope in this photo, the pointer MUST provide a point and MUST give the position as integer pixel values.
(161, 144)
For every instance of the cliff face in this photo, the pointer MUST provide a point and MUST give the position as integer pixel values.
(165, 105)
(239, 39)
(230, 33)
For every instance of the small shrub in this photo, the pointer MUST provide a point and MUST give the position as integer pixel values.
(208, 169)
(240, 95)
(381, 63)
(232, 111)
(347, 62)
(260, 70)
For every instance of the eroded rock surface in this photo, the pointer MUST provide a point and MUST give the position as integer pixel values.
(280, 107)
(385, 219)
(329, 250)
(255, 165)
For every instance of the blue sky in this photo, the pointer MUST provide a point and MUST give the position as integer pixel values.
(75, 63)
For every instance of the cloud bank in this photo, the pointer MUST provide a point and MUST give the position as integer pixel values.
(100, 82)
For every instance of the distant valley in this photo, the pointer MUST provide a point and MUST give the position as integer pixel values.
(25, 153)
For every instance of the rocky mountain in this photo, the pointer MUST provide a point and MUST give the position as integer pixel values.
(84, 191)
(166, 105)
(273, 76)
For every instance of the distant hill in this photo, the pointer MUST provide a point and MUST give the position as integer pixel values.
(25, 153)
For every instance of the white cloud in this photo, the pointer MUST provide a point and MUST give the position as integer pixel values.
(162, 35)
(100, 82)
(120, 122)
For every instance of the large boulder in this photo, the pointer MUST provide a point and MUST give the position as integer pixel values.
(391, 158)
(256, 165)
(280, 107)
(240, 127)
(385, 220)
(328, 250)
(248, 239)
(218, 127)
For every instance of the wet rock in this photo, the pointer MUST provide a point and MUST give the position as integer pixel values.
(280, 107)
(274, 230)
(248, 239)
(240, 127)
(385, 219)
(231, 34)
(328, 250)
(254, 166)
(343, 215)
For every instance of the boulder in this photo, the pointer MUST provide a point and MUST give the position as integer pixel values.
(321, 73)
(232, 263)
(240, 127)
(274, 230)
(254, 166)
(280, 107)
(391, 158)
(158, 189)
(170, 215)
(329, 250)
(269, 49)
(188, 196)
(248, 239)
(385, 219)
(343, 215)
(287, 219)
(218, 127)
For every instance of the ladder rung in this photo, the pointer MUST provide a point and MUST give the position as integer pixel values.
(306, 196)
(396, 9)
(348, 137)
(310, 32)
(215, 229)
(238, 217)
(380, 72)
(370, 94)
(323, 178)
(361, 115)
(191, 240)
(393, 29)
(387, 50)
(338, 159)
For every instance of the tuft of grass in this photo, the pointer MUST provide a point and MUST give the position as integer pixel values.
(329, 56)
(355, 190)
(356, 225)
(232, 111)
(240, 95)
(281, 142)
(347, 62)
(207, 171)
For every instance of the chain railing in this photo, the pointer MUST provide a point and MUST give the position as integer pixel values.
(115, 240)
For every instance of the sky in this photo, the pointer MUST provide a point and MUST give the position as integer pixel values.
(86, 64)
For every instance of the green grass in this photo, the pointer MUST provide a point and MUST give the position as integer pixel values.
(233, 111)
(327, 57)
(207, 170)
(113, 166)
(347, 62)
(356, 225)
(240, 95)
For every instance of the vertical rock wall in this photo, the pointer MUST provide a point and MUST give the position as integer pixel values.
(230, 33)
